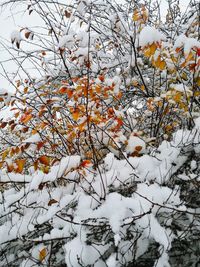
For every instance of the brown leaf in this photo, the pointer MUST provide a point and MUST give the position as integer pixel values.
(18, 45)
(67, 14)
(27, 34)
(40, 145)
(10, 168)
(3, 124)
(52, 201)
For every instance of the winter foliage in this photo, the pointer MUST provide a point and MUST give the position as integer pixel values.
(100, 156)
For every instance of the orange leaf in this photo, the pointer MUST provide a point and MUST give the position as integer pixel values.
(119, 122)
(69, 93)
(42, 254)
(86, 163)
(1, 164)
(138, 148)
(75, 115)
(162, 65)
(20, 165)
(66, 90)
(101, 78)
(153, 48)
(98, 89)
(44, 160)
(26, 117)
(10, 168)
(40, 145)
(63, 90)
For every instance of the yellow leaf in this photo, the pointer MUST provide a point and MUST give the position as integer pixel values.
(153, 48)
(162, 65)
(184, 76)
(189, 57)
(198, 81)
(136, 15)
(42, 254)
(168, 128)
(150, 50)
(147, 52)
(4, 154)
(75, 115)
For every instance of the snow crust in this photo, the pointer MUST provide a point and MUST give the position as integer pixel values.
(149, 35)
(150, 198)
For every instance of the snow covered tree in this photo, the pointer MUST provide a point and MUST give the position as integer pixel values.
(100, 160)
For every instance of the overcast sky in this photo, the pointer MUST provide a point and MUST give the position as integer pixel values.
(13, 19)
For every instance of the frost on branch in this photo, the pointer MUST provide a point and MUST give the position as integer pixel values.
(99, 164)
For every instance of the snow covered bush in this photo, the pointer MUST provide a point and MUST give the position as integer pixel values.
(100, 160)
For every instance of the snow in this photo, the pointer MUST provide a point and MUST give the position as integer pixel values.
(111, 261)
(16, 36)
(140, 210)
(181, 88)
(65, 165)
(33, 139)
(135, 142)
(187, 43)
(149, 35)
(134, 196)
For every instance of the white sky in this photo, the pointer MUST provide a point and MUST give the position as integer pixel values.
(10, 21)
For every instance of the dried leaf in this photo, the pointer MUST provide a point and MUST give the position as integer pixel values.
(3, 124)
(86, 163)
(101, 78)
(27, 34)
(40, 145)
(63, 90)
(18, 45)
(67, 14)
(44, 160)
(75, 115)
(20, 165)
(136, 15)
(52, 201)
(42, 254)
(26, 118)
(138, 148)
